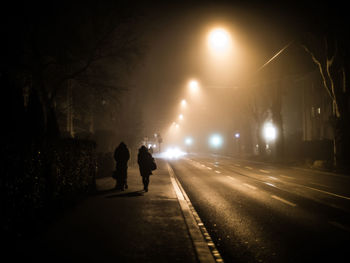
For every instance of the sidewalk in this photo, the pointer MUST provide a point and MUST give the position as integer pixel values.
(116, 226)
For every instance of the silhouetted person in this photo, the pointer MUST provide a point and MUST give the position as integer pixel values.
(150, 150)
(145, 161)
(121, 156)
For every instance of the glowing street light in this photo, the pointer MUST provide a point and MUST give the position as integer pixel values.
(269, 131)
(219, 40)
(183, 103)
(215, 140)
(188, 141)
(181, 117)
(193, 85)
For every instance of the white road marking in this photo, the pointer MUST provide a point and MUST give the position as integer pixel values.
(329, 193)
(248, 167)
(236, 164)
(218, 172)
(175, 185)
(285, 176)
(264, 171)
(318, 190)
(274, 178)
(233, 179)
(269, 184)
(209, 168)
(202, 247)
(341, 226)
(283, 200)
(318, 184)
(250, 186)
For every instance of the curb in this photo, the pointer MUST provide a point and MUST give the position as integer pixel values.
(202, 242)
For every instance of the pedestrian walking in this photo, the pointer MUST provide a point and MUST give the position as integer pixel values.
(146, 165)
(121, 156)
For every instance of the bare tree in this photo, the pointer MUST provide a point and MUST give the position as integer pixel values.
(50, 45)
(329, 53)
(256, 108)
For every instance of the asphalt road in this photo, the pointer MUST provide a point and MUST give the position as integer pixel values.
(259, 213)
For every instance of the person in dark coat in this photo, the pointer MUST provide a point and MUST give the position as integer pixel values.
(145, 160)
(121, 156)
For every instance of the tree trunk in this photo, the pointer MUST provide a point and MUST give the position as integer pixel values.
(278, 121)
(261, 141)
(341, 143)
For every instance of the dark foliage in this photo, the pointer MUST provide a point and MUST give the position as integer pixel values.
(40, 181)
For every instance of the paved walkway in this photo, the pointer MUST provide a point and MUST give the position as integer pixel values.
(116, 226)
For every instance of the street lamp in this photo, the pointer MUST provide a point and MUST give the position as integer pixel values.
(237, 142)
(188, 142)
(215, 140)
(193, 85)
(269, 132)
(219, 40)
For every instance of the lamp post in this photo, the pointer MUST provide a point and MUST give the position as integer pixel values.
(194, 86)
(237, 140)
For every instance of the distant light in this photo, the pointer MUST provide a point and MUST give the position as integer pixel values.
(177, 125)
(149, 145)
(183, 103)
(181, 117)
(215, 140)
(194, 86)
(237, 135)
(269, 131)
(154, 145)
(219, 40)
(188, 141)
(174, 152)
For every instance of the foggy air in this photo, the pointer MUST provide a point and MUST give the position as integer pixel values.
(209, 131)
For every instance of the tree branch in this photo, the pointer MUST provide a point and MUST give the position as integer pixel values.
(318, 63)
